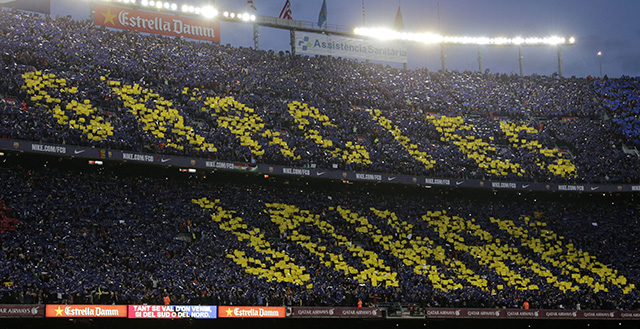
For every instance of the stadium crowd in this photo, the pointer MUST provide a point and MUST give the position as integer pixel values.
(107, 236)
(66, 81)
(621, 97)
(113, 236)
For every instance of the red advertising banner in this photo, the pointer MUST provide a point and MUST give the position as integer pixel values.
(333, 312)
(156, 22)
(251, 312)
(21, 311)
(86, 311)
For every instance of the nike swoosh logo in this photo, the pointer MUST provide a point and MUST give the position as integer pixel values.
(525, 186)
(595, 188)
(320, 173)
(458, 183)
(78, 151)
(164, 160)
(391, 178)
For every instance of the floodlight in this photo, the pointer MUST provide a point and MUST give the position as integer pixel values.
(174, 6)
(167, 5)
(233, 15)
(159, 4)
(225, 14)
(500, 41)
(209, 12)
(197, 10)
(533, 41)
(431, 38)
(554, 40)
(185, 8)
(253, 17)
(192, 9)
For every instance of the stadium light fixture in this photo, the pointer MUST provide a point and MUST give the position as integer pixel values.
(206, 11)
(246, 17)
(209, 12)
(600, 62)
(432, 38)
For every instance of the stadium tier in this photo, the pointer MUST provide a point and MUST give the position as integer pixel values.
(114, 235)
(68, 82)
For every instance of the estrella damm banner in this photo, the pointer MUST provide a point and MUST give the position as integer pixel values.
(155, 22)
(86, 311)
(251, 312)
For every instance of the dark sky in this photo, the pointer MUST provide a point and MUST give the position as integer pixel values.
(611, 27)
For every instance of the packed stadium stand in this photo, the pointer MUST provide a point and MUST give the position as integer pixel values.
(69, 82)
(115, 235)
(129, 234)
